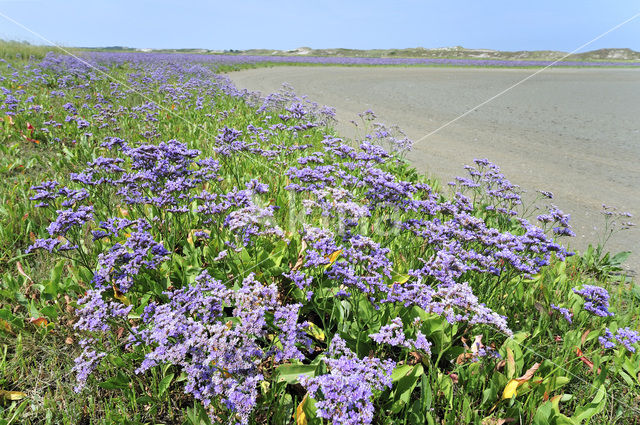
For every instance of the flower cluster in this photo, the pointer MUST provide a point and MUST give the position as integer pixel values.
(566, 313)
(393, 335)
(220, 353)
(344, 395)
(596, 299)
(623, 336)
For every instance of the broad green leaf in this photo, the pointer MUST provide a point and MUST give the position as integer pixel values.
(164, 384)
(407, 383)
(291, 372)
(620, 257)
(118, 382)
(597, 404)
(400, 372)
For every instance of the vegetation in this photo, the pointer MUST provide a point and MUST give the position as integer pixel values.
(207, 256)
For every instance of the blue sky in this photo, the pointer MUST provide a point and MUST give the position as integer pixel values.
(283, 24)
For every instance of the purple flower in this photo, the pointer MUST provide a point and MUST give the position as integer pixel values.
(49, 244)
(393, 334)
(623, 336)
(221, 352)
(122, 262)
(291, 333)
(565, 312)
(344, 395)
(86, 363)
(300, 279)
(596, 300)
(70, 218)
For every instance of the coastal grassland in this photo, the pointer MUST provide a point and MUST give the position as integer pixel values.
(207, 256)
(17, 51)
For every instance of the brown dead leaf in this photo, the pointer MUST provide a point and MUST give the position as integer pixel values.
(529, 373)
(68, 340)
(585, 360)
(6, 326)
(300, 260)
(119, 332)
(415, 358)
(39, 321)
(584, 336)
(21, 271)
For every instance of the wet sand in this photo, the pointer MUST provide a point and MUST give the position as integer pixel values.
(574, 132)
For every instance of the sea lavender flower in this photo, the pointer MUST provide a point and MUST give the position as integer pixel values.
(220, 357)
(49, 244)
(300, 279)
(122, 262)
(393, 334)
(344, 395)
(252, 221)
(627, 337)
(608, 340)
(45, 192)
(291, 333)
(70, 218)
(564, 311)
(623, 336)
(86, 363)
(95, 313)
(596, 300)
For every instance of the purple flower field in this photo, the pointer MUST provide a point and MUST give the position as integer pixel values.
(222, 59)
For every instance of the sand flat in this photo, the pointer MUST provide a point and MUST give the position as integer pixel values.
(575, 132)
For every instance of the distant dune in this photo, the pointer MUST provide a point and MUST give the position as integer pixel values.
(457, 52)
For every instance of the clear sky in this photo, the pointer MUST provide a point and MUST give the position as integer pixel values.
(287, 24)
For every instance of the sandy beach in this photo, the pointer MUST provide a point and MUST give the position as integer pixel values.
(575, 132)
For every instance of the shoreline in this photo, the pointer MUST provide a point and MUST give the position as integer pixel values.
(569, 131)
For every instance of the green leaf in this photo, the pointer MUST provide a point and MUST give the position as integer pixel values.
(289, 373)
(620, 258)
(406, 382)
(597, 404)
(309, 409)
(400, 372)
(164, 384)
(118, 382)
